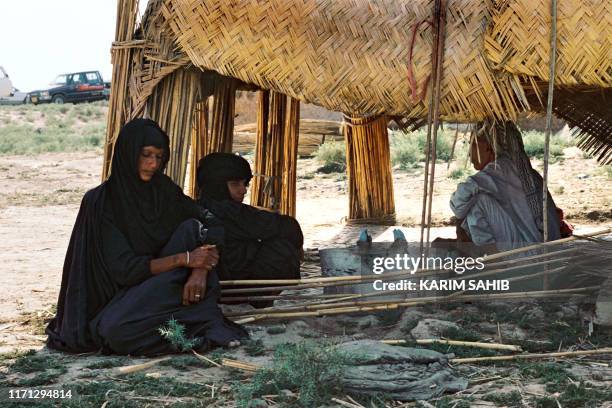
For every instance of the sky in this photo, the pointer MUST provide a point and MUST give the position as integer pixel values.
(40, 39)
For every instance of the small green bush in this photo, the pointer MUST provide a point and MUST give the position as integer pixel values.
(311, 370)
(534, 145)
(459, 174)
(27, 139)
(174, 333)
(408, 149)
(332, 155)
(405, 151)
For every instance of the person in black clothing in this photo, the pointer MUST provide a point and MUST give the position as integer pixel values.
(258, 244)
(139, 256)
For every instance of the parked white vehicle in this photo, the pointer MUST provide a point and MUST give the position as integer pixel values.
(9, 95)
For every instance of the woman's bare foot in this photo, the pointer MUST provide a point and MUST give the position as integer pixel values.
(233, 344)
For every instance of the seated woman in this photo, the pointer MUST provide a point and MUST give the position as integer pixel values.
(259, 244)
(500, 207)
(137, 258)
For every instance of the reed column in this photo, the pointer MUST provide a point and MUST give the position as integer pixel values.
(171, 105)
(118, 105)
(290, 154)
(261, 137)
(368, 163)
(198, 143)
(276, 152)
(222, 122)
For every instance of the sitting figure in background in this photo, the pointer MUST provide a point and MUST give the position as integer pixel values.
(500, 207)
(258, 244)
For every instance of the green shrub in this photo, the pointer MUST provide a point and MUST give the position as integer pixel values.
(534, 145)
(309, 369)
(174, 333)
(460, 173)
(405, 151)
(408, 149)
(27, 139)
(332, 155)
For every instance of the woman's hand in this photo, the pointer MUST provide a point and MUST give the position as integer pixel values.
(195, 287)
(205, 257)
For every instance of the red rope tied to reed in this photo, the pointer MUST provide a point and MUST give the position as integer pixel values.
(416, 97)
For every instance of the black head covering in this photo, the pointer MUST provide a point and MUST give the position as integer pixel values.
(145, 212)
(216, 169)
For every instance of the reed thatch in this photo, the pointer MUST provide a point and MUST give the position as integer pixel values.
(373, 57)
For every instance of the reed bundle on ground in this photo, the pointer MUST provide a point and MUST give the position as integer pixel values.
(391, 305)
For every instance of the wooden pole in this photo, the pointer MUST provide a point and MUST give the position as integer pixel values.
(440, 28)
(391, 276)
(418, 300)
(549, 109)
(433, 117)
(395, 305)
(607, 350)
(489, 346)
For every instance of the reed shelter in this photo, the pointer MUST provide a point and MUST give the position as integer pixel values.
(412, 61)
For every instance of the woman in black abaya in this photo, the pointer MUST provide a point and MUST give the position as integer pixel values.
(139, 255)
(259, 244)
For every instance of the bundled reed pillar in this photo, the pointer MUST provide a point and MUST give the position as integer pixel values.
(171, 105)
(368, 162)
(214, 134)
(290, 153)
(221, 134)
(121, 55)
(198, 142)
(261, 137)
(276, 152)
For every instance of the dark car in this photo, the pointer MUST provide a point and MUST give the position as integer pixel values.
(76, 87)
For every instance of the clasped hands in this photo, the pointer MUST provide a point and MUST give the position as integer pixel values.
(202, 260)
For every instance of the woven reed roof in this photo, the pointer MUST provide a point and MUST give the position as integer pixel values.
(374, 57)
